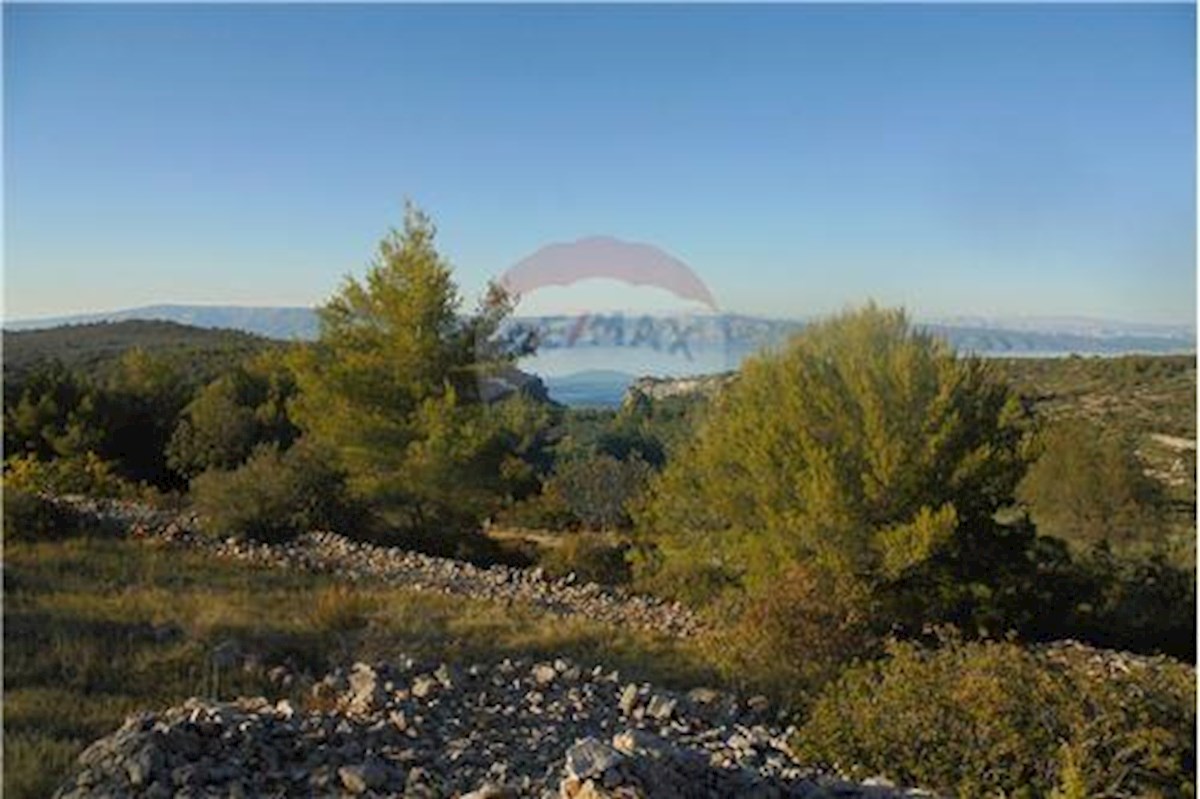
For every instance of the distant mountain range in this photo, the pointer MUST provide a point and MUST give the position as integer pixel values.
(282, 322)
(592, 360)
(984, 335)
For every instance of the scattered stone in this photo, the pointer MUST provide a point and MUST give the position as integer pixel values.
(591, 758)
(423, 687)
(365, 690)
(490, 790)
(360, 779)
(543, 674)
(629, 699)
(494, 732)
(444, 676)
(660, 707)
(758, 704)
(703, 696)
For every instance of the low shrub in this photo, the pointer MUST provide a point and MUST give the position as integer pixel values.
(457, 542)
(276, 495)
(86, 474)
(1141, 602)
(694, 582)
(1000, 579)
(32, 517)
(1132, 726)
(995, 719)
(589, 557)
(598, 489)
(792, 636)
(546, 510)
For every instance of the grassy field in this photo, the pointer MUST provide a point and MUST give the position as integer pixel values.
(97, 628)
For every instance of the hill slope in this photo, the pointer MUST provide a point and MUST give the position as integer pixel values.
(93, 347)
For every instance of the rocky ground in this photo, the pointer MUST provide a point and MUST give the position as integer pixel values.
(325, 552)
(507, 729)
(490, 730)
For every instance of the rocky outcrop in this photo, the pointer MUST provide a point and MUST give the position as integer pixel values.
(506, 729)
(660, 388)
(511, 381)
(329, 553)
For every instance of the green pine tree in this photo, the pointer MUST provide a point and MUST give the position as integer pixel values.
(864, 446)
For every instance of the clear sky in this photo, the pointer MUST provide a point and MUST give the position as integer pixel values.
(1020, 159)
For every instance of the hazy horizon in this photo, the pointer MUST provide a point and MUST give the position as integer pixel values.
(960, 161)
(961, 319)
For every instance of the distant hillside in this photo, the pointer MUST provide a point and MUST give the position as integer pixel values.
(91, 347)
(741, 334)
(592, 388)
(279, 322)
(1144, 396)
(736, 334)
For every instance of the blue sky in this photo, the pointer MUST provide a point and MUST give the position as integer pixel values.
(1021, 159)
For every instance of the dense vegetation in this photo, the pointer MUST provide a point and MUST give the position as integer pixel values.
(843, 499)
(983, 719)
(96, 347)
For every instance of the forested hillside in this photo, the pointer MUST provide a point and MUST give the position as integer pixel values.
(94, 348)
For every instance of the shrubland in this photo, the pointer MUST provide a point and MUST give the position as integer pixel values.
(276, 495)
(589, 557)
(833, 512)
(996, 719)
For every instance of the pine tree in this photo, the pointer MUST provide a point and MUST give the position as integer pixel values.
(864, 446)
(392, 385)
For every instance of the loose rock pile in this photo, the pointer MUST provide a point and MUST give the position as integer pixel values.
(508, 729)
(325, 552)
(1100, 663)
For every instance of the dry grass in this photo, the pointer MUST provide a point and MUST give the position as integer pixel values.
(95, 629)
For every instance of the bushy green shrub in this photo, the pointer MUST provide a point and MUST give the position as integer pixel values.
(276, 495)
(995, 719)
(545, 510)
(589, 557)
(992, 580)
(790, 637)
(1132, 727)
(31, 517)
(84, 474)
(1088, 487)
(598, 489)
(690, 580)
(1141, 602)
(864, 444)
(998, 579)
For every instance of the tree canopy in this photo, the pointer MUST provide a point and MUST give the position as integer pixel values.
(864, 445)
(393, 386)
(1088, 487)
(233, 414)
